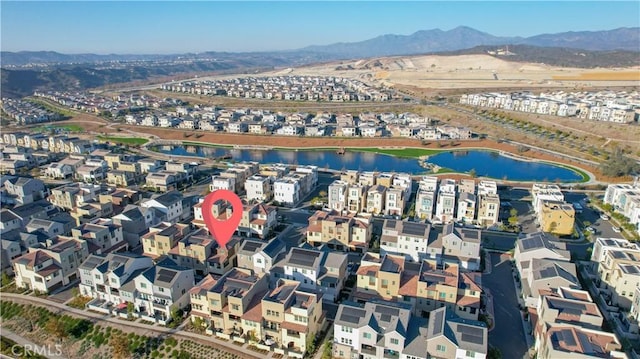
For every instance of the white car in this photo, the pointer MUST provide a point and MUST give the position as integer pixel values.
(604, 217)
(591, 229)
(616, 229)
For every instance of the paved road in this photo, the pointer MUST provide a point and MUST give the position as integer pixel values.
(134, 327)
(508, 333)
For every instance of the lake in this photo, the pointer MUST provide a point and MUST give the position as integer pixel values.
(485, 163)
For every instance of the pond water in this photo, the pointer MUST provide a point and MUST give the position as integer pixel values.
(485, 163)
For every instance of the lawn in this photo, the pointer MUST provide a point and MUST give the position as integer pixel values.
(404, 152)
(124, 140)
(69, 128)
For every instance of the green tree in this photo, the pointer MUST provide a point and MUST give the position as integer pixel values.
(6, 280)
(473, 173)
(513, 218)
(494, 353)
(311, 343)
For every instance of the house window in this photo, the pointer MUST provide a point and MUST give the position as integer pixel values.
(235, 306)
(143, 285)
(441, 348)
(394, 341)
(347, 329)
(366, 335)
(471, 354)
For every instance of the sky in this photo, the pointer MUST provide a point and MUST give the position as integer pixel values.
(163, 27)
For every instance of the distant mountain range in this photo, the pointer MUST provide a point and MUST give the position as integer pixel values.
(462, 37)
(425, 41)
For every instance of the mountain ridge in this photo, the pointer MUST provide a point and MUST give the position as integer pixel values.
(422, 41)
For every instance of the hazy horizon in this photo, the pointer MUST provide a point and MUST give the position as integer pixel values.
(138, 28)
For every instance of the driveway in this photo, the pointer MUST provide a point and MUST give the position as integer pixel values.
(508, 333)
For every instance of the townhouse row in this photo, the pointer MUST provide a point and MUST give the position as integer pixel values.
(565, 320)
(300, 88)
(625, 199)
(443, 201)
(621, 108)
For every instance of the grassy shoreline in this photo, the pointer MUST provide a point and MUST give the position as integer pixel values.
(124, 140)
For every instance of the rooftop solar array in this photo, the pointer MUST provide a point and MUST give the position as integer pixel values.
(385, 318)
(415, 229)
(471, 334)
(93, 262)
(470, 233)
(303, 258)
(352, 315)
(251, 246)
(391, 223)
(438, 320)
(535, 242)
(387, 310)
(165, 275)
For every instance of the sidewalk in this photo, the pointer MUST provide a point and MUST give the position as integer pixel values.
(135, 327)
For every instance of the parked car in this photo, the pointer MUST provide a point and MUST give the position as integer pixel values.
(604, 217)
(616, 229)
(591, 229)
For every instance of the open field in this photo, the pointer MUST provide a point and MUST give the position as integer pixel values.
(602, 76)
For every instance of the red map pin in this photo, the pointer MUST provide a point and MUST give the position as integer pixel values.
(222, 230)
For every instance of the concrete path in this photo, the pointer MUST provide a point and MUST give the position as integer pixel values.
(49, 351)
(135, 327)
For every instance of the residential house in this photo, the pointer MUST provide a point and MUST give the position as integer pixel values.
(462, 244)
(339, 232)
(161, 288)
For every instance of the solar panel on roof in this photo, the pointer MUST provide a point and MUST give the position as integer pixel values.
(475, 339)
(439, 317)
(385, 318)
(251, 246)
(165, 275)
(415, 229)
(304, 258)
(391, 223)
(465, 329)
(386, 310)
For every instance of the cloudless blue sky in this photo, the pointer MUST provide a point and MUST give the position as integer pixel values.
(175, 27)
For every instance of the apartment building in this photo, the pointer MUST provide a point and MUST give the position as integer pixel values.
(376, 199)
(356, 198)
(102, 236)
(488, 209)
(618, 276)
(317, 271)
(344, 233)
(425, 197)
(287, 190)
(395, 201)
(169, 204)
(547, 275)
(257, 221)
(72, 195)
(260, 256)
(337, 195)
(162, 237)
(541, 192)
(451, 337)
(463, 245)
(567, 340)
(259, 188)
(222, 183)
(161, 288)
(199, 251)
(446, 201)
(466, 212)
(47, 269)
(290, 316)
(409, 239)
(103, 276)
(230, 304)
(538, 245)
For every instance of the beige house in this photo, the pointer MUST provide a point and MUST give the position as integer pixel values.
(162, 238)
(346, 233)
(47, 269)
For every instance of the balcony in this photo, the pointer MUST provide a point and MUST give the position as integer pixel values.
(368, 349)
(391, 354)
